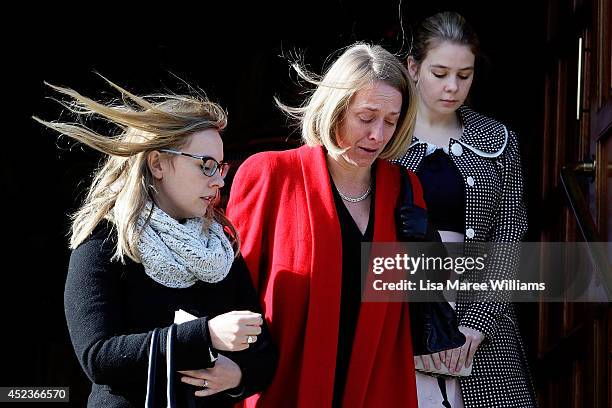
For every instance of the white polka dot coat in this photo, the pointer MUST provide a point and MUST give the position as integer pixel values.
(488, 158)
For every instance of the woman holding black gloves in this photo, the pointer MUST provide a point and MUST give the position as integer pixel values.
(470, 170)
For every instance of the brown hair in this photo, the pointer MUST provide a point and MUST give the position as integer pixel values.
(445, 26)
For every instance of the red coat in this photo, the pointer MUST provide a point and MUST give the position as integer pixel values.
(283, 208)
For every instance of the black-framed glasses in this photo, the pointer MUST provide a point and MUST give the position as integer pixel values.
(209, 165)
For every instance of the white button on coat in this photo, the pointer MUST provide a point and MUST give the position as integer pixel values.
(469, 233)
(470, 181)
(457, 149)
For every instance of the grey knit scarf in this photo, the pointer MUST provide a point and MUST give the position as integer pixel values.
(178, 255)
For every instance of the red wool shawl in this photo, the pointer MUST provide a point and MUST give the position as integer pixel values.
(282, 206)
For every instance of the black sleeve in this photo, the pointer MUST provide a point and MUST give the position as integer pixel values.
(432, 234)
(258, 362)
(93, 307)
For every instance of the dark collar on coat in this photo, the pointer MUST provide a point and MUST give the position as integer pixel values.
(484, 136)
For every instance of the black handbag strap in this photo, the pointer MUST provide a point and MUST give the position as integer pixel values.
(151, 372)
(170, 340)
(442, 385)
(154, 367)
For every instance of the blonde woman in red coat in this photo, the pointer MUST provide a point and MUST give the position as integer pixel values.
(302, 215)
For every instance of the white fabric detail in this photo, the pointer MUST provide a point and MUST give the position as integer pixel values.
(456, 149)
(469, 233)
(432, 147)
(489, 155)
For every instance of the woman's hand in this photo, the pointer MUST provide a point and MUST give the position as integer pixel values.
(234, 331)
(428, 358)
(223, 376)
(456, 358)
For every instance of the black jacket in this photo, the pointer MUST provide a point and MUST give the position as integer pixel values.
(112, 309)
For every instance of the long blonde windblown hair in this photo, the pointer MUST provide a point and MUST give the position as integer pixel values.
(123, 184)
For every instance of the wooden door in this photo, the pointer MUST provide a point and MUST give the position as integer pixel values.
(574, 340)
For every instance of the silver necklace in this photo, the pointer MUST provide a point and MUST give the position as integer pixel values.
(356, 199)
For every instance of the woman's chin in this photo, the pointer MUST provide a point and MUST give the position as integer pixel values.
(364, 162)
(361, 160)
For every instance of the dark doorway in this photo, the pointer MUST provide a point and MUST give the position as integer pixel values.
(239, 56)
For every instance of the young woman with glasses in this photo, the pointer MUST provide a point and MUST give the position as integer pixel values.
(147, 242)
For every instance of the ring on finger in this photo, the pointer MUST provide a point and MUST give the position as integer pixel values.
(205, 384)
(251, 339)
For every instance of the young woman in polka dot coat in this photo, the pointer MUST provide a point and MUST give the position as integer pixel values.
(470, 169)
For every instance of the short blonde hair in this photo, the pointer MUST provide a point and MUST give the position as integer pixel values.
(359, 66)
(123, 184)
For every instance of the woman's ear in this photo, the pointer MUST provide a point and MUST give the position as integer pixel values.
(413, 68)
(155, 165)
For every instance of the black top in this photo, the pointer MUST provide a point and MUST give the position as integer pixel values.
(350, 300)
(444, 192)
(112, 309)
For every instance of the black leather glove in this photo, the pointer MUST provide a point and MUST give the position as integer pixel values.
(411, 223)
